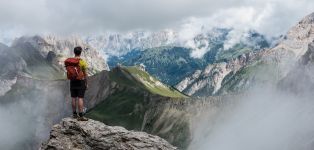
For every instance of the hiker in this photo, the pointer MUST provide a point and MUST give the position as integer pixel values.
(76, 73)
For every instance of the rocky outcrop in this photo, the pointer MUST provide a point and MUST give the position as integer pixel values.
(72, 134)
(209, 81)
(300, 79)
(292, 46)
(298, 37)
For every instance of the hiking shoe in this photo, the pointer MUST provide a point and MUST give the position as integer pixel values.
(75, 116)
(82, 119)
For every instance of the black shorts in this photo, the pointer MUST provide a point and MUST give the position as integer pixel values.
(78, 88)
(77, 93)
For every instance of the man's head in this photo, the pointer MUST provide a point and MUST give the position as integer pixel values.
(78, 51)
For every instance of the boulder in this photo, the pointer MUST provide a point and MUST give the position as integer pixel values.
(71, 134)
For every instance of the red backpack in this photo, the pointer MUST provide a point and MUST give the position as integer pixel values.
(73, 68)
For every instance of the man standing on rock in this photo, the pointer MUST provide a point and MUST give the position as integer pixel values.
(76, 73)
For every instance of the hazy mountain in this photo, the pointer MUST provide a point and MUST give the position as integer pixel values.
(116, 44)
(173, 63)
(56, 49)
(272, 63)
(42, 58)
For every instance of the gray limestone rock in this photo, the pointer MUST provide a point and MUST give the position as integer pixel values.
(71, 134)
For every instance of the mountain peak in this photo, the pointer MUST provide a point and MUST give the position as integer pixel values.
(73, 134)
(309, 19)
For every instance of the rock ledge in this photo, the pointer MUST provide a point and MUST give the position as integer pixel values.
(71, 134)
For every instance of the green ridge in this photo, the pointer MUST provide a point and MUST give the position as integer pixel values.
(135, 77)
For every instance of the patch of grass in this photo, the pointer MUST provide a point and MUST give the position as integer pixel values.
(135, 77)
(124, 108)
(152, 84)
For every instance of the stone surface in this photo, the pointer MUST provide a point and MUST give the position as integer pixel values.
(71, 134)
(209, 81)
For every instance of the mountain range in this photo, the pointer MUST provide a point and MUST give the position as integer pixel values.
(172, 63)
(161, 88)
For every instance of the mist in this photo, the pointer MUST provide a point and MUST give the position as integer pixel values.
(265, 118)
(28, 112)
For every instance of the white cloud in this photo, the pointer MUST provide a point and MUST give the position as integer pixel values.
(188, 18)
(73, 16)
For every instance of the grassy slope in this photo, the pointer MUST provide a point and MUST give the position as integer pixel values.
(134, 111)
(130, 106)
(119, 109)
(152, 84)
(135, 77)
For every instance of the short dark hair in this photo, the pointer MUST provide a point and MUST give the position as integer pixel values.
(78, 50)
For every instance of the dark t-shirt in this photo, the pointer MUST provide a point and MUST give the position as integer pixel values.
(77, 84)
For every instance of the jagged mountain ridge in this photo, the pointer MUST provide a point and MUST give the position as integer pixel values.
(57, 49)
(210, 80)
(272, 63)
(171, 64)
(116, 44)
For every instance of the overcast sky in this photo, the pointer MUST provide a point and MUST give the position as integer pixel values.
(90, 16)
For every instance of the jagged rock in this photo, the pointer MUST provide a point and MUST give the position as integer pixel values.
(72, 134)
(209, 81)
(300, 79)
(294, 44)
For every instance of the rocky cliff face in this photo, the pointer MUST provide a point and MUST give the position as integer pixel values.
(298, 37)
(292, 46)
(210, 80)
(300, 79)
(71, 134)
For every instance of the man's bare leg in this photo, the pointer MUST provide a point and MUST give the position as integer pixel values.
(74, 107)
(81, 107)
